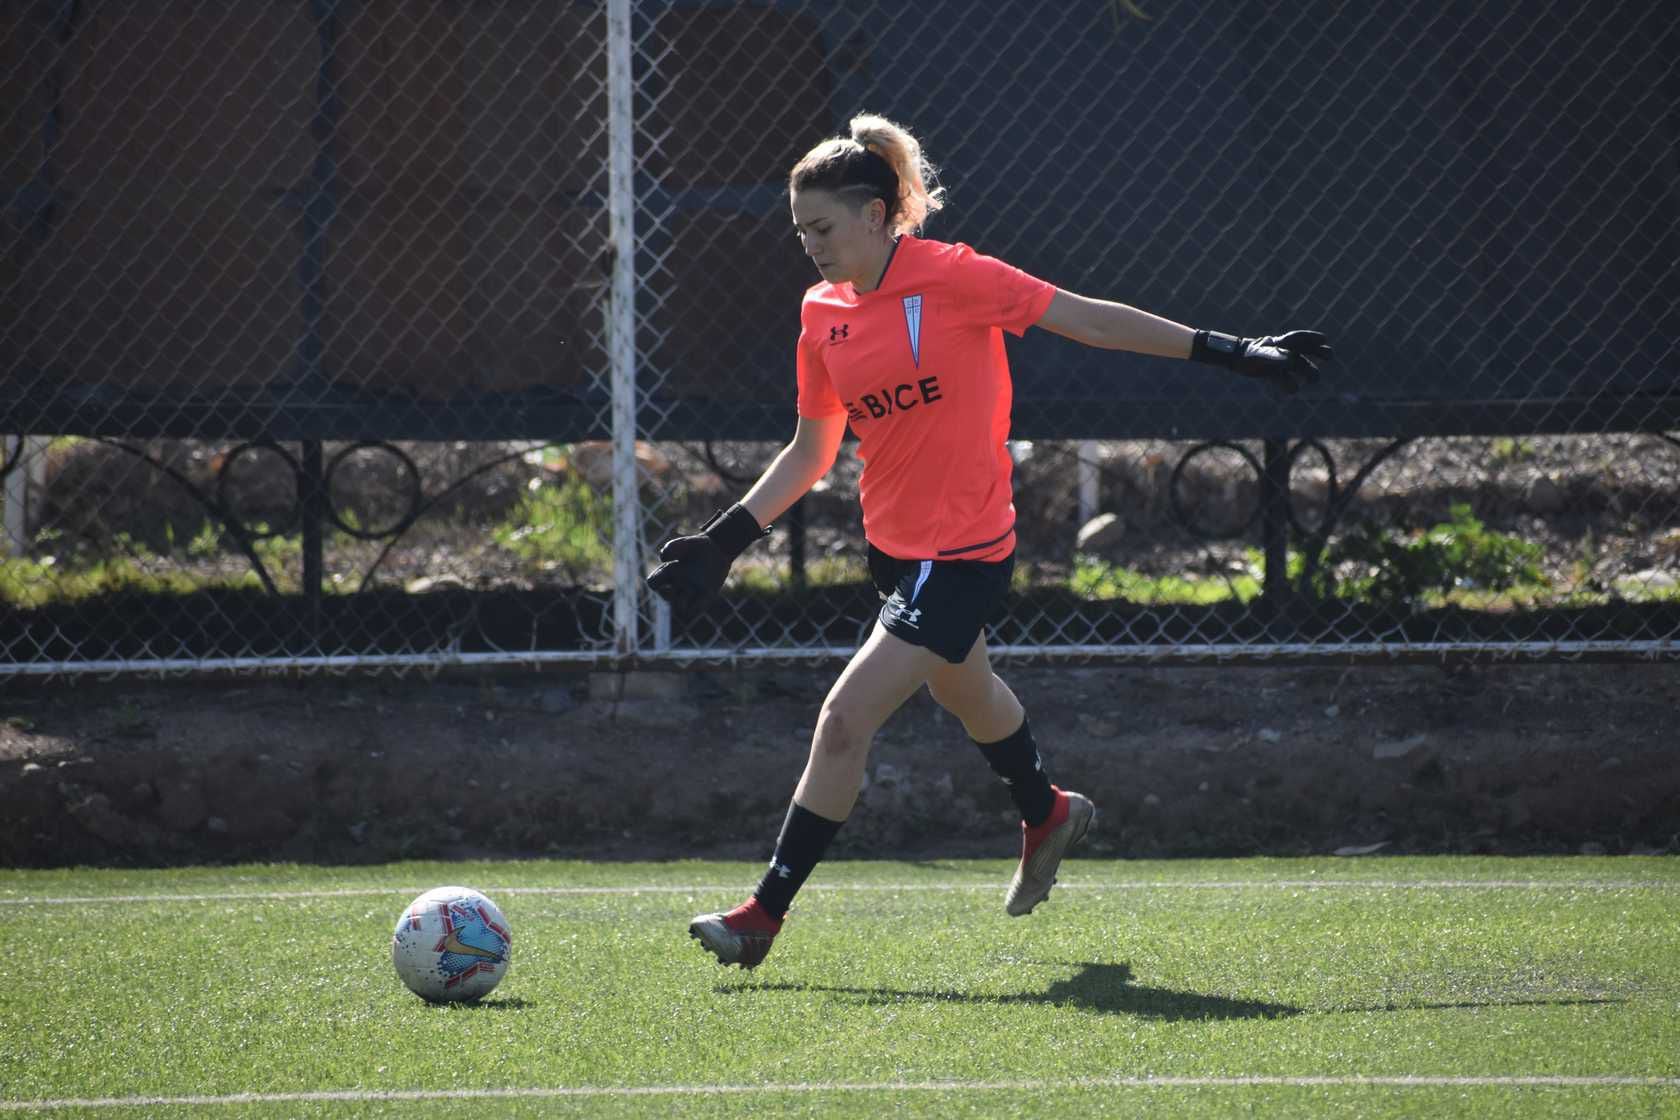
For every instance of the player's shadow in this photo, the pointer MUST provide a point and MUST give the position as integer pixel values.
(1108, 988)
(1105, 988)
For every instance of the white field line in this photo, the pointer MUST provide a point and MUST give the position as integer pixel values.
(804, 1088)
(881, 888)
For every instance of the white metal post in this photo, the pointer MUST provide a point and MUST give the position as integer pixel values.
(621, 327)
(16, 498)
(25, 481)
(1089, 496)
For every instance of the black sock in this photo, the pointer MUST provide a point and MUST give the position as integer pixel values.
(805, 837)
(1016, 761)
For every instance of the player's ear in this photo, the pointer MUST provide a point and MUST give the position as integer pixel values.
(875, 214)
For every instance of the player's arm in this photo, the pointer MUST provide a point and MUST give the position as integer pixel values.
(1286, 361)
(1115, 326)
(796, 468)
(695, 566)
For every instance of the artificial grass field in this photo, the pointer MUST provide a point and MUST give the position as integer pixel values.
(1375, 988)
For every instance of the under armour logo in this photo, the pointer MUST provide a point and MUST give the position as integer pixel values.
(781, 869)
(838, 334)
(899, 611)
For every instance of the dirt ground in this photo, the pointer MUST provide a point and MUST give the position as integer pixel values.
(1182, 761)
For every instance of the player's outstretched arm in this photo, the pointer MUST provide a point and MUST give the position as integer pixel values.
(1287, 362)
(693, 566)
(1115, 326)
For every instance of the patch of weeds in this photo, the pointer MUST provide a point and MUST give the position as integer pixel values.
(824, 571)
(206, 542)
(565, 526)
(30, 582)
(1460, 555)
(1098, 579)
(1507, 450)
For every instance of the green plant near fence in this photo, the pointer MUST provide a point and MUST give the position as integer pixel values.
(1099, 580)
(566, 526)
(1371, 563)
(33, 582)
(1386, 564)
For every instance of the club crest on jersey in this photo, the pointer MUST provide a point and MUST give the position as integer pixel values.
(913, 323)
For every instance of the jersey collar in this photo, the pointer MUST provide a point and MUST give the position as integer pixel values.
(892, 255)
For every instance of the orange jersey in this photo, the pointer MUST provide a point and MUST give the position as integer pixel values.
(918, 368)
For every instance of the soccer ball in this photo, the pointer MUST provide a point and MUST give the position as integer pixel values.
(451, 944)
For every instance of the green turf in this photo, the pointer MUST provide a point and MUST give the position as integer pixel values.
(895, 986)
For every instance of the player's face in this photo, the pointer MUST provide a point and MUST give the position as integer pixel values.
(844, 241)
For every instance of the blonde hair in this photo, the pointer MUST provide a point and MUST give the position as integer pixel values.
(880, 160)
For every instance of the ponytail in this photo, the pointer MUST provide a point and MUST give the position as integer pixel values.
(893, 143)
(881, 160)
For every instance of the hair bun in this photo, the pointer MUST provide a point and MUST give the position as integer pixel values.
(907, 183)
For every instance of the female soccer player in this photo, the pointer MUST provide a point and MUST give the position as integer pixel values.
(903, 340)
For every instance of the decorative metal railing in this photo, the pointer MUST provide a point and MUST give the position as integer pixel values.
(361, 333)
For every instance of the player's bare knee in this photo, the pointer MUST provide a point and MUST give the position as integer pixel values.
(834, 735)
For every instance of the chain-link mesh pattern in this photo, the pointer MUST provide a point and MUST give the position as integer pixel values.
(237, 233)
(306, 344)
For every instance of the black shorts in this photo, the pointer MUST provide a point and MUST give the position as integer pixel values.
(941, 605)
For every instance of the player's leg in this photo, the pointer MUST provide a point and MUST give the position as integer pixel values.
(996, 722)
(880, 677)
(1052, 820)
(883, 674)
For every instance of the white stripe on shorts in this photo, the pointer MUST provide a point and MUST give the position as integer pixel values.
(927, 570)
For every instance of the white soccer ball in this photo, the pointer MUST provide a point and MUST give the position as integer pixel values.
(451, 944)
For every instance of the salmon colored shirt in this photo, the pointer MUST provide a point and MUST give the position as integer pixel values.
(917, 367)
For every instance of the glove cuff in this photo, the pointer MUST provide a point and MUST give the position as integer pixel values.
(1215, 349)
(733, 530)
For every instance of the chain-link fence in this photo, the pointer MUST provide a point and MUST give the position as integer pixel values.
(351, 332)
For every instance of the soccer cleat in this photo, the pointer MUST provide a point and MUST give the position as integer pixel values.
(1042, 849)
(742, 936)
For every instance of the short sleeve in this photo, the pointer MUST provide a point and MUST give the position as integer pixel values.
(997, 293)
(817, 398)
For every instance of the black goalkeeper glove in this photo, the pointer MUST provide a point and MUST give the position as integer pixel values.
(695, 566)
(1286, 362)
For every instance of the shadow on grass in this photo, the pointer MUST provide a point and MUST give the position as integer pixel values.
(511, 1003)
(1108, 989)
(1462, 1005)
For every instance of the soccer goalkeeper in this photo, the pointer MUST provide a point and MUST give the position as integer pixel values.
(903, 340)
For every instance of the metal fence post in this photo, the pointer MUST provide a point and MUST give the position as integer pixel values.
(621, 327)
(1090, 480)
(312, 507)
(1274, 520)
(26, 458)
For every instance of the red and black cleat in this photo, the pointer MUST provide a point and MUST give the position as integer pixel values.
(742, 936)
(1042, 849)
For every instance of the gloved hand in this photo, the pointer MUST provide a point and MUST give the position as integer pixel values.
(1286, 362)
(695, 566)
